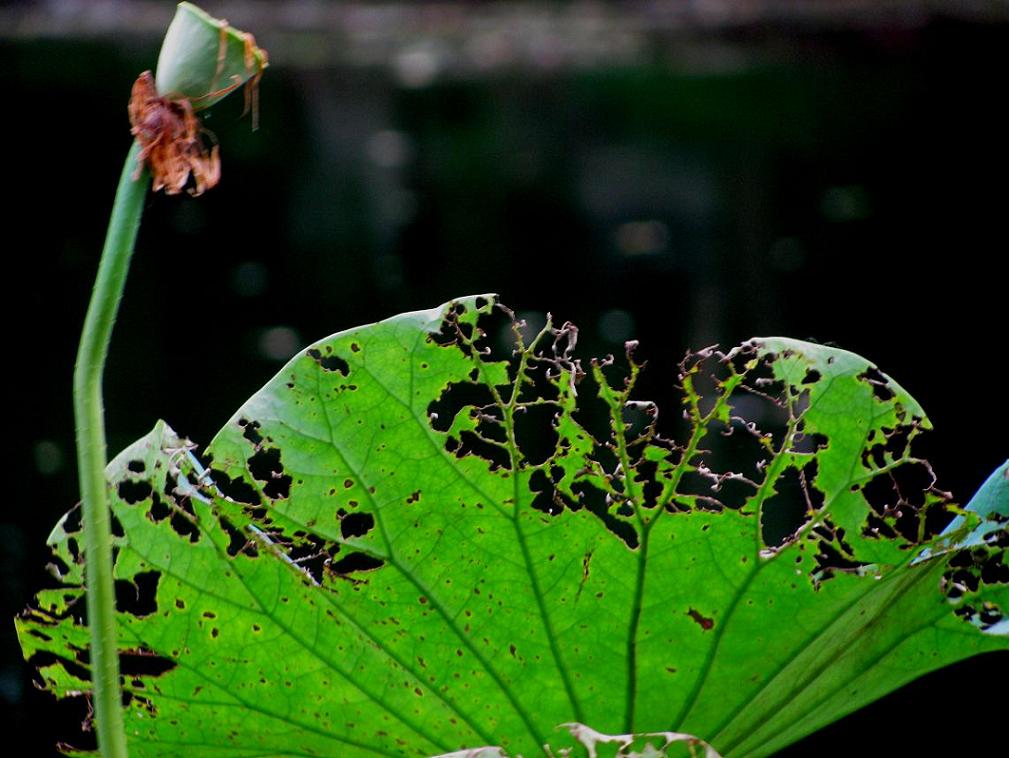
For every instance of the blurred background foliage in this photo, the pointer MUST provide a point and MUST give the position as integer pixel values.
(683, 173)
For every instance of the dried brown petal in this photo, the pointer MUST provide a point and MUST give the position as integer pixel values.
(169, 134)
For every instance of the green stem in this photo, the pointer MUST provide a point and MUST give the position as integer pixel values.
(91, 454)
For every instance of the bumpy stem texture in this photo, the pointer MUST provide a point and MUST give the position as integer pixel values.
(91, 454)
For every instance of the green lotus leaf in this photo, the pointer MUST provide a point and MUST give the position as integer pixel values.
(415, 540)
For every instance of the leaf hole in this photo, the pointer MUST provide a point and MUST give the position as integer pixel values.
(250, 430)
(594, 501)
(356, 524)
(355, 562)
(265, 466)
(879, 382)
(138, 596)
(329, 362)
(791, 507)
(535, 433)
(140, 661)
(133, 491)
(236, 489)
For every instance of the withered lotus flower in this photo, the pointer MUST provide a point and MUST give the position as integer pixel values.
(202, 60)
(171, 140)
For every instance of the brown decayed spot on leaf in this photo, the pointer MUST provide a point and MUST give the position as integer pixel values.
(170, 139)
(703, 621)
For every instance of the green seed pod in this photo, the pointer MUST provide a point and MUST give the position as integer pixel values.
(203, 59)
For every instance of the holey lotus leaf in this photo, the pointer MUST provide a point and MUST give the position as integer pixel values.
(407, 544)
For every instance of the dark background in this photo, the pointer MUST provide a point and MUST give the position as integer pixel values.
(683, 173)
